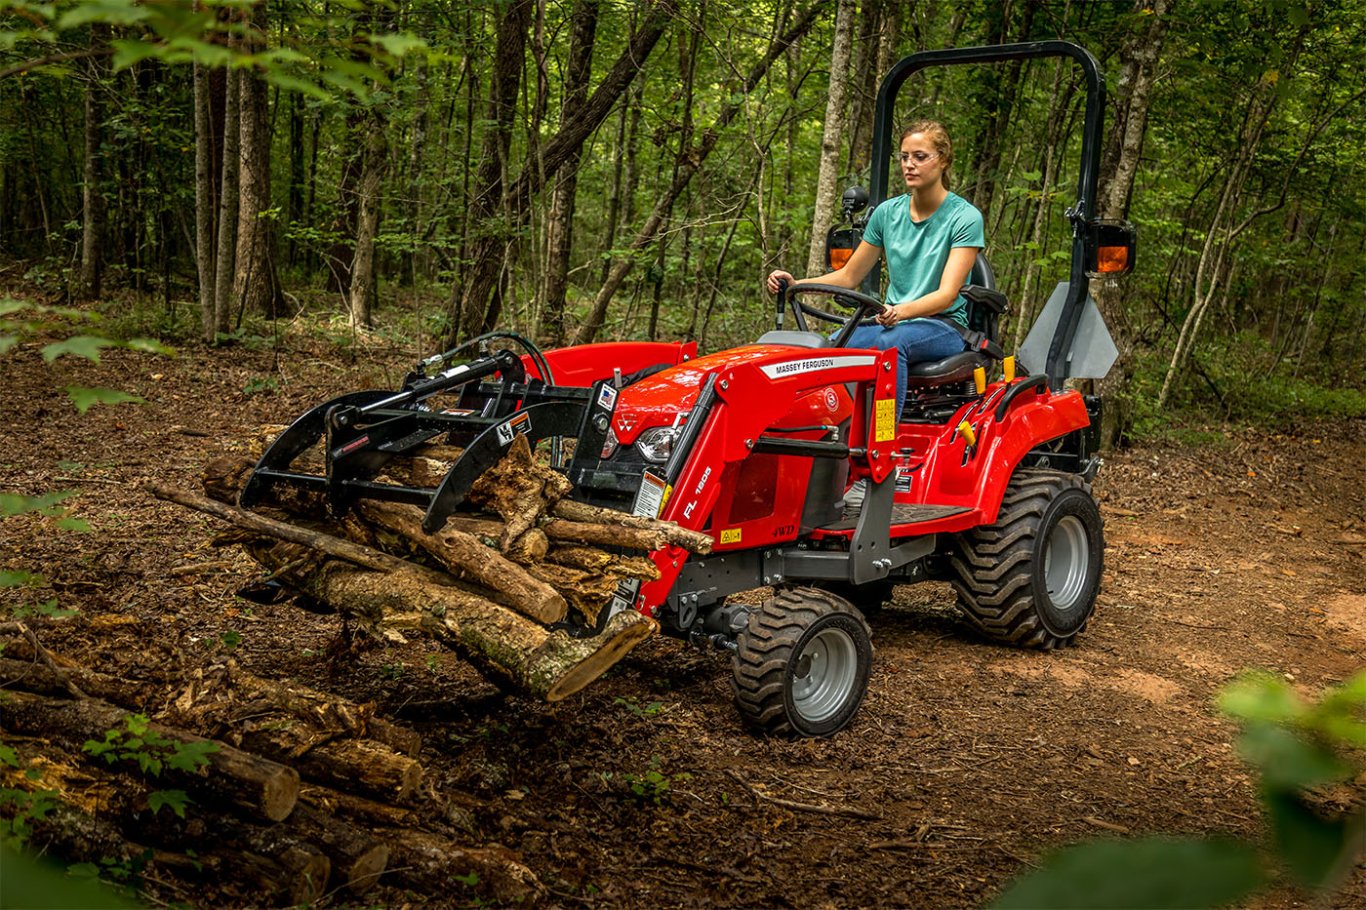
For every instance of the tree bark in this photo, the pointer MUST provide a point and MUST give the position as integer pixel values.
(832, 138)
(93, 214)
(560, 229)
(228, 196)
(373, 162)
(432, 864)
(1119, 168)
(257, 785)
(255, 282)
(206, 204)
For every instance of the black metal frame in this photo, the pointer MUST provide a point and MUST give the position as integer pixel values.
(1081, 215)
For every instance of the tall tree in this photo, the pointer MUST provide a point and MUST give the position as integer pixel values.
(832, 136)
(476, 306)
(578, 74)
(255, 283)
(92, 194)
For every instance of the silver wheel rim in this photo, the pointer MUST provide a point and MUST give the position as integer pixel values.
(1066, 563)
(823, 675)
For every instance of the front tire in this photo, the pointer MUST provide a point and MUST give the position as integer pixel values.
(802, 663)
(1031, 578)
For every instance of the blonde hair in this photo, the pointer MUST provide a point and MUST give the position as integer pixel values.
(939, 138)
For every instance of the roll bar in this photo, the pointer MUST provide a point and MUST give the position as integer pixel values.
(1081, 215)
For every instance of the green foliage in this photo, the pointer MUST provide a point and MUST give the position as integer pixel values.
(1295, 746)
(633, 705)
(152, 752)
(652, 785)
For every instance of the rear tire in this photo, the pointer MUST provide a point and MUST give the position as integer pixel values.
(802, 663)
(1031, 578)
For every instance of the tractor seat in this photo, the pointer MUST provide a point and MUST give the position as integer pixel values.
(956, 368)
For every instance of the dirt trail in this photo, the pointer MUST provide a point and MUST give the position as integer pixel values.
(967, 761)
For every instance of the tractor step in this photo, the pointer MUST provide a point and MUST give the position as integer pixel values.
(902, 514)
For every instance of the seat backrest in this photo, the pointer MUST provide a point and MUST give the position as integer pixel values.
(986, 305)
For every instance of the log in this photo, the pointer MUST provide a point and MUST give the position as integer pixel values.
(504, 645)
(455, 809)
(358, 859)
(366, 766)
(256, 785)
(519, 489)
(432, 864)
(465, 556)
(289, 881)
(692, 541)
(30, 676)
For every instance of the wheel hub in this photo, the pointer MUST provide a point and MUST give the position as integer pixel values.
(823, 674)
(1066, 563)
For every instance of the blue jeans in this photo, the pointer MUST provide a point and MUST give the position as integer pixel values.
(917, 340)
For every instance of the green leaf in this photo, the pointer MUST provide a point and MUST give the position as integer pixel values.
(1287, 760)
(1312, 847)
(1261, 696)
(87, 346)
(13, 306)
(7, 342)
(8, 756)
(84, 399)
(1155, 873)
(128, 52)
(398, 45)
(13, 578)
(149, 346)
(190, 757)
(77, 525)
(175, 800)
(17, 504)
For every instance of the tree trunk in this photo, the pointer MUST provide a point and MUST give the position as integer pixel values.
(206, 204)
(373, 161)
(228, 196)
(92, 196)
(560, 242)
(832, 138)
(255, 283)
(1119, 168)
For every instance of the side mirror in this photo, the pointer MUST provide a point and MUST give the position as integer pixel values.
(855, 200)
(1110, 248)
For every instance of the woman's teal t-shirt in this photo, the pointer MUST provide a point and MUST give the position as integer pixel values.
(917, 253)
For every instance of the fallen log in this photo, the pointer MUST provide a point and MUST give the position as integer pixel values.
(358, 859)
(520, 489)
(465, 556)
(692, 541)
(261, 787)
(31, 676)
(366, 766)
(433, 864)
(504, 645)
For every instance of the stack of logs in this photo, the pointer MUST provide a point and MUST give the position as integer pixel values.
(303, 790)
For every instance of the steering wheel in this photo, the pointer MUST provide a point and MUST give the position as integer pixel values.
(863, 306)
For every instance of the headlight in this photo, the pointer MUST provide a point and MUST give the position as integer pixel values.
(609, 445)
(657, 444)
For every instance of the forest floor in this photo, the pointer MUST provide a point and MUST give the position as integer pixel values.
(967, 762)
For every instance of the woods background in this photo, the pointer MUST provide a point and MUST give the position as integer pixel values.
(592, 169)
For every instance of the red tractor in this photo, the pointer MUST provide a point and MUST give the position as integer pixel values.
(983, 482)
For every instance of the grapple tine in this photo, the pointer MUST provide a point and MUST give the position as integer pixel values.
(541, 421)
(304, 433)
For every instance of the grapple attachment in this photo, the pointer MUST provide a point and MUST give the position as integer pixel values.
(361, 432)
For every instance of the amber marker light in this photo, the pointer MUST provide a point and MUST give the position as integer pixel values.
(1111, 260)
(839, 257)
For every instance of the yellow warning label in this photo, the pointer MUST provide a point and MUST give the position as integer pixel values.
(731, 535)
(885, 430)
